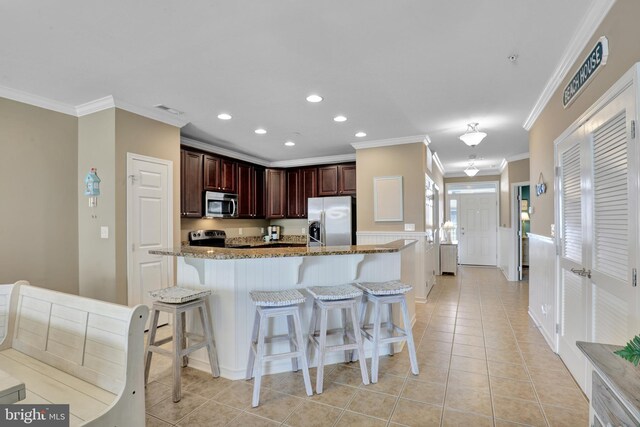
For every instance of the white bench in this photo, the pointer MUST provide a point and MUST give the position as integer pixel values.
(73, 350)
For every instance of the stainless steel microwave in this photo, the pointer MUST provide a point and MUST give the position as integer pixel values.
(220, 205)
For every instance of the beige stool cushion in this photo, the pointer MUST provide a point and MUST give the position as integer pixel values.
(392, 287)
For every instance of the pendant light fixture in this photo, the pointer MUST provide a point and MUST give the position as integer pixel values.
(471, 170)
(472, 136)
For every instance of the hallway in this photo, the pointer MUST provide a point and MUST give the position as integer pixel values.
(482, 363)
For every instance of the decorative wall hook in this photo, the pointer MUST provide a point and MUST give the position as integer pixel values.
(541, 187)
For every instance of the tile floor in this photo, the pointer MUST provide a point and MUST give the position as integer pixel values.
(482, 363)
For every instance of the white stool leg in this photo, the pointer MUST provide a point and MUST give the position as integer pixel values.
(264, 320)
(322, 339)
(151, 340)
(345, 335)
(177, 353)
(312, 331)
(375, 353)
(208, 336)
(254, 339)
(183, 338)
(390, 327)
(363, 315)
(358, 337)
(410, 343)
(292, 331)
(303, 357)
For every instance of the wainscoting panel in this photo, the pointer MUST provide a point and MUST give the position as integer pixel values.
(506, 250)
(542, 286)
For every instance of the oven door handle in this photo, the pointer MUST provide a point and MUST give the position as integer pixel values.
(235, 207)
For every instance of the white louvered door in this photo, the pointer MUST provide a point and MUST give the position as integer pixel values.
(572, 288)
(598, 235)
(614, 231)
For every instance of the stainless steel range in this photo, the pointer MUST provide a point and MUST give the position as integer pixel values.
(210, 238)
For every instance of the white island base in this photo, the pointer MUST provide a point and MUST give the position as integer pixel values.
(233, 311)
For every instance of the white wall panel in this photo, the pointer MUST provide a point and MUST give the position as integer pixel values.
(542, 286)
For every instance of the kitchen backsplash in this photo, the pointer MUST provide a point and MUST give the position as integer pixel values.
(250, 227)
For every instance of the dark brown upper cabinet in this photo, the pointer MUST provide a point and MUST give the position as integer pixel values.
(302, 184)
(337, 180)
(191, 197)
(220, 174)
(251, 191)
(276, 193)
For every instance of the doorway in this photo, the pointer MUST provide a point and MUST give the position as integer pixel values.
(522, 225)
(473, 210)
(149, 226)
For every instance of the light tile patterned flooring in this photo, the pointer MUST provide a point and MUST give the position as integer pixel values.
(482, 363)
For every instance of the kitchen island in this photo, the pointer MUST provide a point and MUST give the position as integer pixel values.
(232, 273)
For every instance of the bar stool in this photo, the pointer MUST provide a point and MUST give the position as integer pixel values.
(343, 298)
(379, 293)
(184, 303)
(272, 304)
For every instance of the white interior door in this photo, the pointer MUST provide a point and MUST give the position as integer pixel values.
(614, 231)
(477, 238)
(598, 233)
(149, 226)
(572, 288)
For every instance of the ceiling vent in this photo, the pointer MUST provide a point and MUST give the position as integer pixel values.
(169, 109)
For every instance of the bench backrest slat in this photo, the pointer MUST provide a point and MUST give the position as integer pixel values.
(81, 336)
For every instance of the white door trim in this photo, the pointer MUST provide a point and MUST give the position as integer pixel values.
(447, 210)
(130, 158)
(515, 224)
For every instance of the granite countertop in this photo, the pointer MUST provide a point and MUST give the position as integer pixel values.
(279, 252)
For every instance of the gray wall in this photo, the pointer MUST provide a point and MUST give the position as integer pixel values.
(38, 196)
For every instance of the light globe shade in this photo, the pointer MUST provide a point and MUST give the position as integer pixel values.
(472, 136)
(471, 171)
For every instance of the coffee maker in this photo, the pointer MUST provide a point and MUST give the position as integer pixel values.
(274, 232)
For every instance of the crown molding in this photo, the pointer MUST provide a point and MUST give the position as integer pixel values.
(340, 158)
(390, 142)
(517, 157)
(95, 106)
(438, 163)
(592, 20)
(36, 101)
(193, 143)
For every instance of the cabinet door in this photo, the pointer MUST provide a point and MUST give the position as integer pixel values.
(191, 184)
(245, 191)
(346, 179)
(276, 193)
(309, 188)
(258, 192)
(328, 181)
(293, 193)
(228, 171)
(211, 173)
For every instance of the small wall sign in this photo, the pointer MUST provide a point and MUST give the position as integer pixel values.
(592, 63)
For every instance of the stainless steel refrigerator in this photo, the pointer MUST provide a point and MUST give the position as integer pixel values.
(331, 221)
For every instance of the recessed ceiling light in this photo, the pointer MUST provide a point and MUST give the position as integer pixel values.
(289, 143)
(314, 98)
(224, 116)
(339, 119)
(361, 134)
(260, 131)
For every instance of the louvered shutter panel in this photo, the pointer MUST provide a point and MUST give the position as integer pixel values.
(611, 198)
(571, 205)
